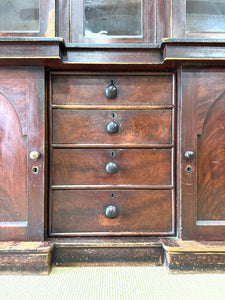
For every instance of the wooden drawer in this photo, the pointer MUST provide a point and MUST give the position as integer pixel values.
(88, 166)
(137, 212)
(144, 127)
(131, 90)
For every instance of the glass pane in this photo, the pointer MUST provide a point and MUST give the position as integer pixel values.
(19, 15)
(205, 16)
(113, 17)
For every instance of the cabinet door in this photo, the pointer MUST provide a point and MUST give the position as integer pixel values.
(21, 132)
(198, 19)
(27, 18)
(205, 18)
(203, 171)
(112, 21)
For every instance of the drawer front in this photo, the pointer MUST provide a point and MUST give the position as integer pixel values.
(135, 212)
(131, 90)
(132, 166)
(143, 127)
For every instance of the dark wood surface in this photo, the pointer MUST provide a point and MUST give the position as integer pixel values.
(194, 257)
(22, 130)
(83, 251)
(63, 19)
(25, 258)
(153, 178)
(139, 212)
(108, 256)
(80, 112)
(89, 127)
(203, 195)
(211, 164)
(132, 90)
(87, 167)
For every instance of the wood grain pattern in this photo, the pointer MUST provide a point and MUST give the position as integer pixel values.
(63, 19)
(188, 140)
(87, 167)
(21, 131)
(90, 127)
(211, 164)
(13, 166)
(132, 90)
(139, 212)
(203, 116)
(163, 25)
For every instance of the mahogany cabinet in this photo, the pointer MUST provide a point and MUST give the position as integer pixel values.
(111, 155)
(112, 134)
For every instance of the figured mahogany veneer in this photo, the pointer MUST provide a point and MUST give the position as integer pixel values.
(87, 167)
(21, 117)
(132, 90)
(82, 212)
(88, 127)
(88, 158)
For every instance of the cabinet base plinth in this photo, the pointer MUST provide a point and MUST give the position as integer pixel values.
(108, 253)
(25, 257)
(194, 257)
(176, 255)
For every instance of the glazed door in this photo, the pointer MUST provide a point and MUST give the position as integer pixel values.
(21, 153)
(203, 153)
(27, 18)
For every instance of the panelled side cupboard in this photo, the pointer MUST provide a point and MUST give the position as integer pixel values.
(112, 134)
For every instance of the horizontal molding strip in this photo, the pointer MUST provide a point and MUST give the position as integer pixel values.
(210, 223)
(13, 224)
(113, 187)
(114, 107)
(111, 146)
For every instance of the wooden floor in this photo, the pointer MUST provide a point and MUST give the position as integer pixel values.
(106, 283)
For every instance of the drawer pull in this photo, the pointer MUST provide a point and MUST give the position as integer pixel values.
(111, 168)
(111, 90)
(189, 155)
(112, 127)
(35, 155)
(111, 212)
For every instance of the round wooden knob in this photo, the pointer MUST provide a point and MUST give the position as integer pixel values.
(112, 127)
(189, 155)
(111, 212)
(111, 168)
(35, 155)
(111, 90)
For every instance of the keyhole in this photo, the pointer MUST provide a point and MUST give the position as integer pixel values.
(35, 170)
(113, 115)
(113, 154)
(188, 169)
(113, 195)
